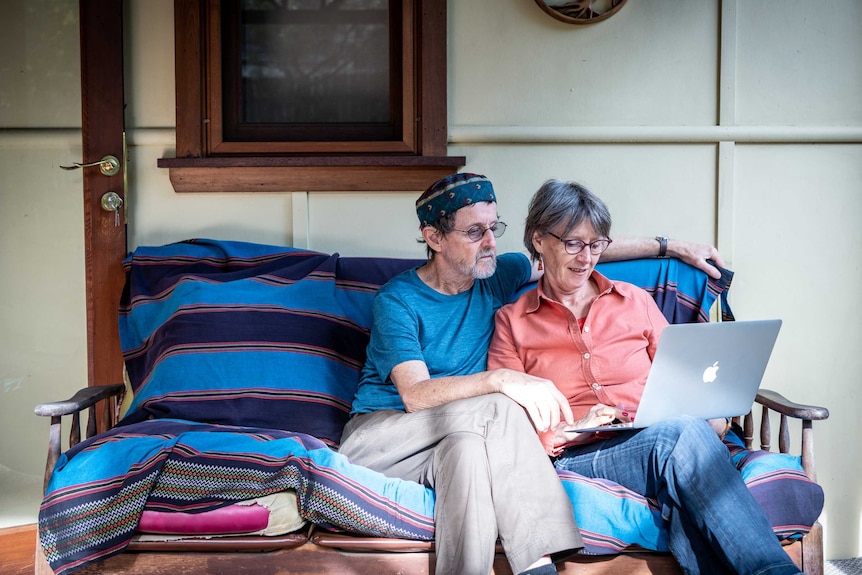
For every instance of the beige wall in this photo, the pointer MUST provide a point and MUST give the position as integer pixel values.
(736, 123)
(42, 315)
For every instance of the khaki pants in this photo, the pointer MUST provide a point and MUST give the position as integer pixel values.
(489, 472)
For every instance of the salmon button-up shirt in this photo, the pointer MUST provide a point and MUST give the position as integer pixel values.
(605, 361)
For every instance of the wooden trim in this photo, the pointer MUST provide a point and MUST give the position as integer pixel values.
(306, 179)
(433, 78)
(188, 16)
(216, 144)
(309, 174)
(313, 161)
(221, 148)
(102, 127)
(306, 165)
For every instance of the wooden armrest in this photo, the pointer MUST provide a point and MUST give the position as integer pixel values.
(778, 403)
(86, 398)
(83, 399)
(771, 400)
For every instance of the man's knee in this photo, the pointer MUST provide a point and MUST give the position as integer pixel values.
(459, 457)
(507, 410)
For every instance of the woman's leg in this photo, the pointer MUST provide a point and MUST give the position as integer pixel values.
(714, 522)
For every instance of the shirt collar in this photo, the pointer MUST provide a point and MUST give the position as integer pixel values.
(606, 287)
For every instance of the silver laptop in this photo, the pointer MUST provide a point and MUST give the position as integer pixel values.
(705, 370)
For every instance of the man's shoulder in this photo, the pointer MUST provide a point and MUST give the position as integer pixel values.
(400, 281)
(526, 302)
(514, 259)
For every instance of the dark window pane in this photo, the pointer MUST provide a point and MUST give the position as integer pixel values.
(315, 61)
(311, 69)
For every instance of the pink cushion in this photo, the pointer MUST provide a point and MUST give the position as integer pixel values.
(225, 520)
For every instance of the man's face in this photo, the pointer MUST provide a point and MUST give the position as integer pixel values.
(474, 259)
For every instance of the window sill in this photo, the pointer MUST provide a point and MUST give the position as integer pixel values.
(309, 173)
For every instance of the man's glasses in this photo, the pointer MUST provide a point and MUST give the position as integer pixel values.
(574, 247)
(476, 233)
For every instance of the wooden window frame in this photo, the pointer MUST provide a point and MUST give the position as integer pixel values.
(205, 163)
(229, 135)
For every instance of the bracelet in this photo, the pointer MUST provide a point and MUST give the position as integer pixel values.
(662, 245)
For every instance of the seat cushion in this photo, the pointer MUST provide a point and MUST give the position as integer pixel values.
(275, 514)
(790, 500)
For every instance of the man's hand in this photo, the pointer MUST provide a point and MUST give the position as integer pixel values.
(544, 403)
(697, 255)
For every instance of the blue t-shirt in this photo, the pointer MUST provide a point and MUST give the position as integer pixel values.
(450, 333)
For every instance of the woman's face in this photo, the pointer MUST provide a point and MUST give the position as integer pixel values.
(564, 272)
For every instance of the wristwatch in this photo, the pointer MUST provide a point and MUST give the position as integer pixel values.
(662, 246)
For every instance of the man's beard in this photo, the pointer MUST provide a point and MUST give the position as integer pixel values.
(483, 269)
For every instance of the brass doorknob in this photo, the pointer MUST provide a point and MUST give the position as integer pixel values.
(108, 165)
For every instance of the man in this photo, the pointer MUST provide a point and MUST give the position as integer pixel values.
(428, 411)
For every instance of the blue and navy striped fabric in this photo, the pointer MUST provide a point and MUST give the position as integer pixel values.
(244, 359)
(790, 500)
(683, 293)
(101, 486)
(244, 334)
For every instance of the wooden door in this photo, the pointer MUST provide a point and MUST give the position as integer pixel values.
(103, 134)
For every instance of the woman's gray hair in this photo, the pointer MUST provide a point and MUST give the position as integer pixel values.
(563, 206)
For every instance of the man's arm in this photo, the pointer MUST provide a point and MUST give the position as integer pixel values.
(538, 396)
(631, 247)
(634, 247)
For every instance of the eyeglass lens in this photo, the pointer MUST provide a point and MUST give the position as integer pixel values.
(574, 247)
(477, 232)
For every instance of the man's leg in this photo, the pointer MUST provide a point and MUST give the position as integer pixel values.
(490, 474)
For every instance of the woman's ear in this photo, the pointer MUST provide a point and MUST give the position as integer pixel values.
(538, 240)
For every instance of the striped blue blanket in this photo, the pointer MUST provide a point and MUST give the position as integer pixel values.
(243, 360)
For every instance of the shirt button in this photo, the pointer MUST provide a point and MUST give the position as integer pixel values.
(586, 356)
(596, 386)
(586, 329)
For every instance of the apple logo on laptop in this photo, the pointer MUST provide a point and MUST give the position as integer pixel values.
(710, 373)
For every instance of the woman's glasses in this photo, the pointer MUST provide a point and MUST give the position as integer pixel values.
(574, 247)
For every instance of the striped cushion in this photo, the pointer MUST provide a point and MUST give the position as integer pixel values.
(274, 337)
(790, 500)
(247, 334)
(612, 518)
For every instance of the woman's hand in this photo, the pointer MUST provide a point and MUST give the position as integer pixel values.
(721, 426)
(598, 415)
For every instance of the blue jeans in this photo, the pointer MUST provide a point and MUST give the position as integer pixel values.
(714, 524)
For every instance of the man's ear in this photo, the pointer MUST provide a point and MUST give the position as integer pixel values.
(433, 237)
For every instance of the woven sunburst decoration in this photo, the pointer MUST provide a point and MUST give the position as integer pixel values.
(581, 11)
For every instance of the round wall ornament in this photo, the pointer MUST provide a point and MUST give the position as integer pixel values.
(581, 11)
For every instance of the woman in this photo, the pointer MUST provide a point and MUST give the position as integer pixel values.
(596, 338)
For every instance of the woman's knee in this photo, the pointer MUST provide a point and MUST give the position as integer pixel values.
(686, 435)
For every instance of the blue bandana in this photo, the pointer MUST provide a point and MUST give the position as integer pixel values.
(452, 193)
